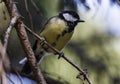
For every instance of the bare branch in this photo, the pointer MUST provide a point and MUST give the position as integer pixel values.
(29, 53)
(82, 72)
(29, 14)
(37, 9)
(11, 25)
(7, 34)
(10, 79)
(4, 61)
(3, 79)
(24, 40)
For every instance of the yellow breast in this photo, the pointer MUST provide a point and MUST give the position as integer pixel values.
(54, 28)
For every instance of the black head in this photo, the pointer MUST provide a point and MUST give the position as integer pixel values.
(71, 17)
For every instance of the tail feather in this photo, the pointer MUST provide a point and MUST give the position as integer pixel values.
(26, 68)
(23, 61)
(39, 55)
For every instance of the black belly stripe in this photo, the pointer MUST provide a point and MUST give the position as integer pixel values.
(58, 37)
(64, 32)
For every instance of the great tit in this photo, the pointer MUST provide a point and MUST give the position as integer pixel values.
(57, 31)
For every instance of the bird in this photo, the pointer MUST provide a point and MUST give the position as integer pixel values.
(57, 31)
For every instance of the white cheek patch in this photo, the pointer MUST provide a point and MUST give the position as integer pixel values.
(69, 17)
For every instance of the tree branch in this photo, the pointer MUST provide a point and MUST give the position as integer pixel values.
(29, 53)
(28, 12)
(11, 25)
(33, 3)
(16, 21)
(27, 47)
(82, 72)
(4, 61)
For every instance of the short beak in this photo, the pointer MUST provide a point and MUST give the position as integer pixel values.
(81, 21)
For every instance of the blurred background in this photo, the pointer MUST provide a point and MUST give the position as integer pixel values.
(95, 45)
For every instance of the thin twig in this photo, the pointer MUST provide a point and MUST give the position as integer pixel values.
(3, 66)
(8, 31)
(29, 53)
(19, 77)
(29, 14)
(37, 9)
(11, 25)
(7, 34)
(6, 39)
(82, 72)
(24, 39)
(10, 79)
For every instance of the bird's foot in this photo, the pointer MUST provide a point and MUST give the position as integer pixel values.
(61, 55)
(42, 41)
(84, 73)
